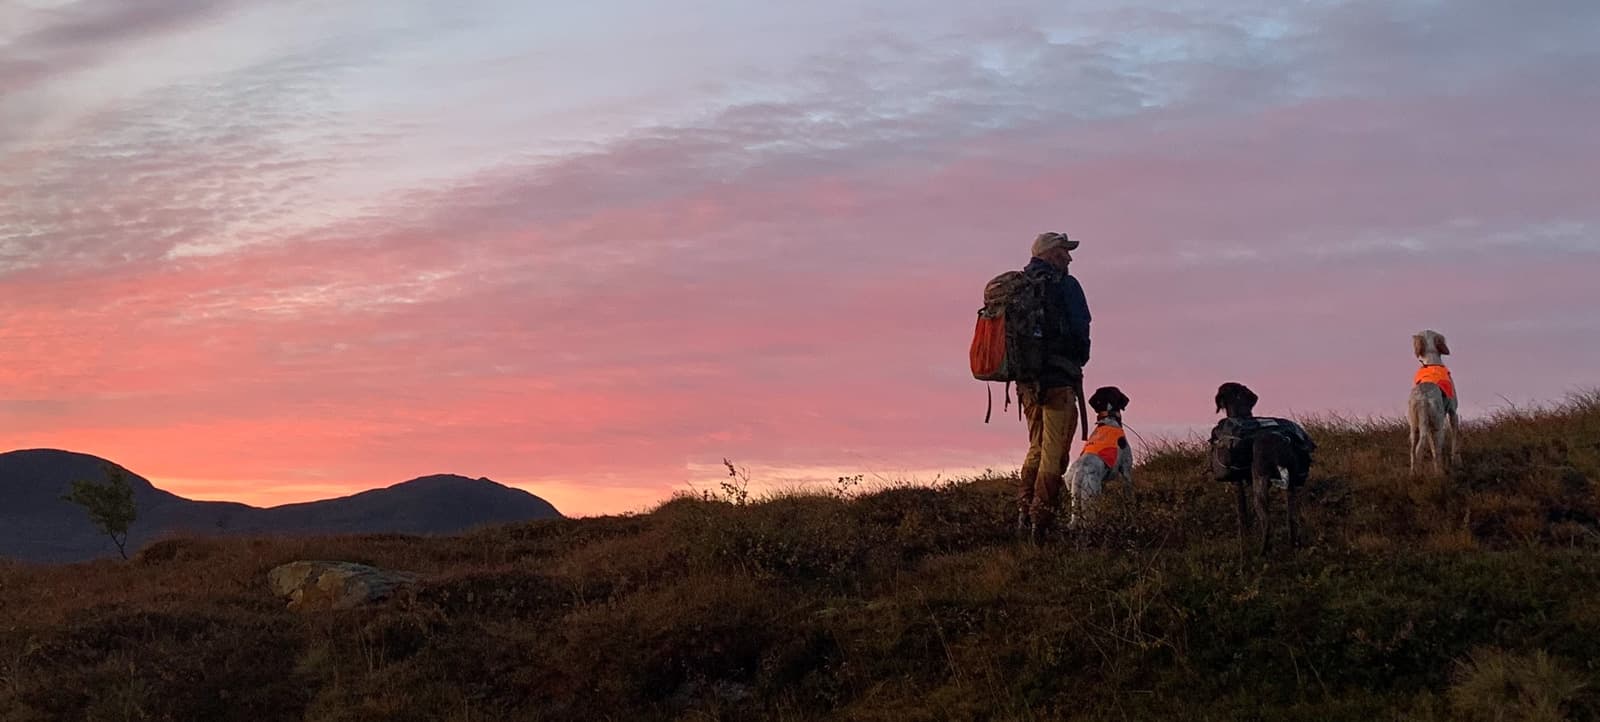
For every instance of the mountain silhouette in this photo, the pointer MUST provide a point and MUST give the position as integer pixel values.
(36, 525)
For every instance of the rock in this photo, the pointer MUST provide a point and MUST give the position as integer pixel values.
(180, 549)
(319, 585)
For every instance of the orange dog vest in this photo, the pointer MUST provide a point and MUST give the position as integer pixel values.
(1104, 443)
(1439, 376)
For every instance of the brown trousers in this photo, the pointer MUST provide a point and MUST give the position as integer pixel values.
(1051, 425)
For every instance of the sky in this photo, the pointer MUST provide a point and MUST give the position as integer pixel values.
(280, 251)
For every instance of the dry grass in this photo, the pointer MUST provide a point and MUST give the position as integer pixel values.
(898, 603)
(1496, 686)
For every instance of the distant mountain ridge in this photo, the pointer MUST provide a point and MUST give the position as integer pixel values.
(37, 526)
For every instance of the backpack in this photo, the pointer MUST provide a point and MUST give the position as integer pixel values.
(1233, 442)
(1009, 342)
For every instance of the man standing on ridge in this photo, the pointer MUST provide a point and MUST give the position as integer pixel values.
(1053, 406)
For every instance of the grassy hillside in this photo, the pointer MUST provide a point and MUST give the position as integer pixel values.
(1447, 599)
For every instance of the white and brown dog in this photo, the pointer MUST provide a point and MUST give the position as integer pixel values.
(1431, 410)
(1105, 455)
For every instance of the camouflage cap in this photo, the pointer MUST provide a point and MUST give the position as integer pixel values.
(1050, 241)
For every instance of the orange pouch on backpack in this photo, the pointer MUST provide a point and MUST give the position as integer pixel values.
(989, 349)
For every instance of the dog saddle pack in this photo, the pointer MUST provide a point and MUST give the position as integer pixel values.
(1233, 442)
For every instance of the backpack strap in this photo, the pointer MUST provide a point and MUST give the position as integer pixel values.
(1083, 412)
(989, 412)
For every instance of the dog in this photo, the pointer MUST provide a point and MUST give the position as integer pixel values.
(1104, 456)
(1259, 453)
(1431, 409)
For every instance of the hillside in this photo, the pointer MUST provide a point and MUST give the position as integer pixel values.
(1476, 597)
(37, 525)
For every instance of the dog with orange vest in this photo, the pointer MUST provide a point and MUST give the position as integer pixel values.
(1105, 455)
(1431, 410)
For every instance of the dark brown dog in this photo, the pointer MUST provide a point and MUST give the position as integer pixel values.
(1279, 454)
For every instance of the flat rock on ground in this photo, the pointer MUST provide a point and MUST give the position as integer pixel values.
(321, 585)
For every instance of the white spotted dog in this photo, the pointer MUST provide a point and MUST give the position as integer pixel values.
(1431, 410)
(1105, 455)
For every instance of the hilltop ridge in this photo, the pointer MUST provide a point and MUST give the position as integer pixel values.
(36, 525)
(1471, 597)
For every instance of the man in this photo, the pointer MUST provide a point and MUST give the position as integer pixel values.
(1052, 406)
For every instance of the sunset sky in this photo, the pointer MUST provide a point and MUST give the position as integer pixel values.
(277, 251)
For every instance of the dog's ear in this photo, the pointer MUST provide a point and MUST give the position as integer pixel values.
(1418, 347)
(1222, 393)
(1122, 400)
(1444, 348)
